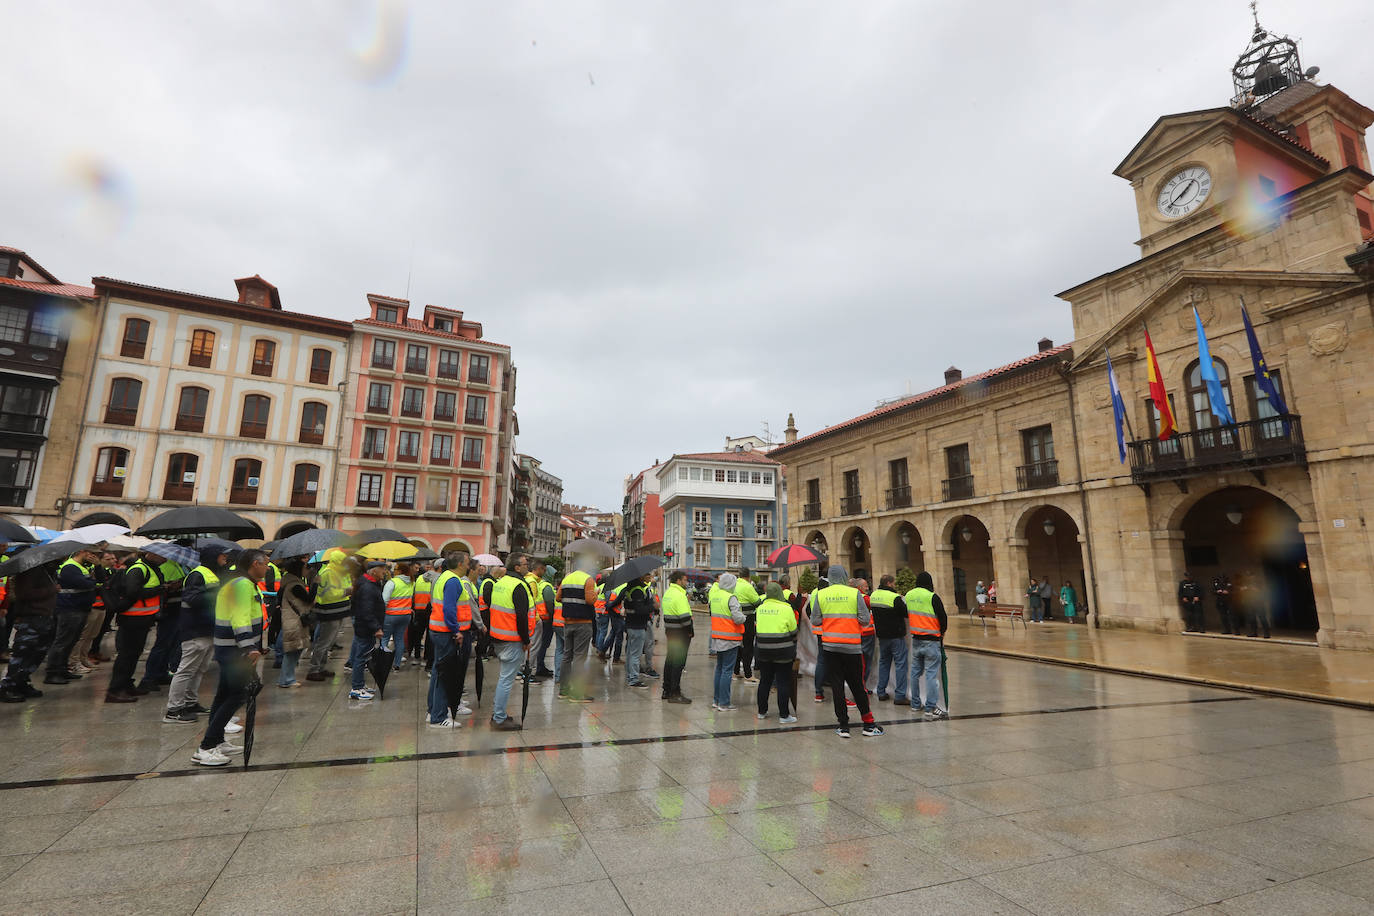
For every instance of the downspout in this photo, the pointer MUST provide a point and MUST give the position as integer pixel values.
(1067, 375)
(331, 515)
(99, 330)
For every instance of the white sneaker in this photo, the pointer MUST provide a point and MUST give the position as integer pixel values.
(760, 715)
(447, 723)
(464, 710)
(233, 728)
(226, 748)
(236, 719)
(209, 758)
(363, 694)
(787, 720)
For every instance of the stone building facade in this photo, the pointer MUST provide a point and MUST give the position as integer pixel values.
(1016, 472)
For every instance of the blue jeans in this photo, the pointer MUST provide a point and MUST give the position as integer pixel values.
(599, 635)
(725, 675)
(615, 632)
(357, 657)
(925, 660)
(395, 627)
(635, 640)
(892, 653)
(288, 668)
(1037, 610)
(438, 697)
(510, 654)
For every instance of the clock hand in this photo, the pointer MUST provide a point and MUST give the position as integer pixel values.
(1182, 191)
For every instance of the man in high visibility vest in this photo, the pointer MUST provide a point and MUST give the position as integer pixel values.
(578, 595)
(165, 655)
(510, 634)
(776, 624)
(727, 631)
(199, 593)
(488, 584)
(143, 585)
(238, 645)
(927, 620)
(419, 618)
(748, 603)
(333, 589)
(543, 594)
(638, 602)
(678, 631)
(452, 610)
(890, 624)
(840, 613)
(76, 590)
(399, 595)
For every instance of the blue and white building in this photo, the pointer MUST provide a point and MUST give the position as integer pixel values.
(722, 510)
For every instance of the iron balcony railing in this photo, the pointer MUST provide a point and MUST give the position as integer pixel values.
(851, 505)
(811, 512)
(1253, 444)
(1037, 475)
(734, 531)
(899, 497)
(959, 487)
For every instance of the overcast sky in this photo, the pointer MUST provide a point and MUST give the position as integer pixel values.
(687, 218)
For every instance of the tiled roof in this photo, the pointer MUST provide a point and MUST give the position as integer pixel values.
(931, 395)
(750, 457)
(1286, 138)
(25, 255)
(419, 327)
(51, 289)
(238, 309)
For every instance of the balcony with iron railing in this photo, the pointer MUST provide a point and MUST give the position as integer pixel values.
(811, 512)
(1251, 446)
(851, 505)
(763, 533)
(1037, 475)
(121, 416)
(734, 531)
(959, 487)
(17, 422)
(701, 531)
(899, 497)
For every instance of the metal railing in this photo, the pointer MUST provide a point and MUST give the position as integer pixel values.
(899, 497)
(811, 512)
(1263, 443)
(851, 505)
(959, 487)
(734, 531)
(1038, 475)
(701, 531)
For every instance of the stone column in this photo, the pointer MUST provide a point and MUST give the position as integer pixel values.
(1011, 569)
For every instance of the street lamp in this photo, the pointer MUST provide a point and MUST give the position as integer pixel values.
(1233, 514)
(1048, 526)
(965, 533)
(906, 538)
(858, 541)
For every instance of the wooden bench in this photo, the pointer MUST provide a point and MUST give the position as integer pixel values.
(1012, 612)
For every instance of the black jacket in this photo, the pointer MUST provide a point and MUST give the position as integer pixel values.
(639, 605)
(76, 590)
(369, 610)
(890, 622)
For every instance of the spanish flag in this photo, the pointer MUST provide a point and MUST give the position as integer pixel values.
(1157, 392)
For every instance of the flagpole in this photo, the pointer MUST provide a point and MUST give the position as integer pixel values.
(1125, 414)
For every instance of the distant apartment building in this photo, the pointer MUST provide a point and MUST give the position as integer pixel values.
(430, 414)
(643, 517)
(197, 399)
(537, 497)
(721, 510)
(45, 346)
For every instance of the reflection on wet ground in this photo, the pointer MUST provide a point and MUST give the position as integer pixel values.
(1052, 790)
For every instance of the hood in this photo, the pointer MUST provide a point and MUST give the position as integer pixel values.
(727, 581)
(334, 556)
(924, 580)
(208, 556)
(837, 575)
(774, 591)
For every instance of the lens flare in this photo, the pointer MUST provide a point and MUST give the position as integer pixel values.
(380, 40)
(101, 198)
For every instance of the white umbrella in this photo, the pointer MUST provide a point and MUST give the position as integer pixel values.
(128, 541)
(91, 534)
(487, 559)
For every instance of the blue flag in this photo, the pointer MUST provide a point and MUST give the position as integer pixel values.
(1118, 408)
(1263, 381)
(1215, 394)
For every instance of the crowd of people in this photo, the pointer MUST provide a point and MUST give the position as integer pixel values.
(239, 609)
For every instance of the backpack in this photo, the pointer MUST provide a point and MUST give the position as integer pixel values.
(119, 591)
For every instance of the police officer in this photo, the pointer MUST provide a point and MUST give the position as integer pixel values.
(1221, 593)
(1190, 596)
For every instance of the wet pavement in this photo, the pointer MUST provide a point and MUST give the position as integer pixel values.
(1052, 790)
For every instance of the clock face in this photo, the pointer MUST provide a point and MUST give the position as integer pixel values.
(1185, 192)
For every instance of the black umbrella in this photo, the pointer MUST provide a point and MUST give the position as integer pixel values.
(11, 532)
(307, 543)
(477, 674)
(34, 557)
(373, 535)
(632, 569)
(424, 554)
(225, 545)
(201, 520)
(379, 663)
(446, 670)
(525, 688)
(250, 716)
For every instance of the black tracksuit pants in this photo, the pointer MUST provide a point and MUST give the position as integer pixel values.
(130, 639)
(675, 660)
(745, 662)
(843, 669)
(777, 673)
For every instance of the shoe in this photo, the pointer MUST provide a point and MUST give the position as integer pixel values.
(679, 701)
(30, 692)
(227, 749)
(78, 670)
(843, 733)
(873, 731)
(139, 691)
(447, 723)
(119, 696)
(544, 673)
(348, 666)
(901, 701)
(653, 674)
(396, 668)
(69, 675)
(179, 717)
(506, 725)
(315, 676)
(787, 720)
(760, 715)
(535, 680)
(90, 661)
(730, 708)
(325, 674)
(233, 728)
(464, 710)
(750, 679)
(820, 698)
(290, 685)
(58, 679)
(639, 685)
(10, 695)
(209, 757)
(936, 714)
(882, 698)
(199, 710)
(850, 703)
(361, 694)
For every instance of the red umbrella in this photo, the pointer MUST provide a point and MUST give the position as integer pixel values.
(792, 555)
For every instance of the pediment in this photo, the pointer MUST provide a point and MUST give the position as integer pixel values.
(1166, 136)
(1217, 295)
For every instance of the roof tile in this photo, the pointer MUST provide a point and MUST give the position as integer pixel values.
(52, 289)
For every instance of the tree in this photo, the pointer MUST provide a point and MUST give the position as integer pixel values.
(808, 581)
(906, 580)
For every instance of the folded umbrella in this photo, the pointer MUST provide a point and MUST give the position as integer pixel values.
(792, 555)
(201, 520)
(388, 550)
(11, 532)
(181, 556)
(487, 559)
(250, 716)
(33, 557)
(372, 535)
(944, 676)
(92, 534)
(525, 686)
(631, 570)
(308, 542)
(478, 671)
(379, 663)
(592, 547)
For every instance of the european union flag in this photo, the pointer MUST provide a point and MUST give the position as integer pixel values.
(1118, 408)
(1263, 381)
(1215, 394)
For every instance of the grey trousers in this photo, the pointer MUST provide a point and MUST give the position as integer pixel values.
(94, 620)
(196, 654)
(576, 639)
(324, 638)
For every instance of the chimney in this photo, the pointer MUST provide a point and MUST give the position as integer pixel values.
(790, 433)
(952, 375)
(1044, 344)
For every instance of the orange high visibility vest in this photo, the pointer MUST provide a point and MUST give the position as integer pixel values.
(723, 625)
(839, 606)
(436, 608)
(920, 614)
(146, 607)
(503, 623)
(398, 604)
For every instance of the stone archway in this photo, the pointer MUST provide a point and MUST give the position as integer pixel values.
(456, 545)
(855, 553)
(290, 528)
(102, 518)
(970, 548)
(902, 549)
(1253, 537)
(1052, 549)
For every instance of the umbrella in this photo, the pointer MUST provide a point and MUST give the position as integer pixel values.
(11, 532)
(388, 550)
(446, 670)
(379, 663)
(181, 556)
(525, 686)
(250, 715)
(477, 674)
(40, 535)
(373, 535)
(487, 559)
(310, 541)
(221, 543)
(128, 542)
(92, 534)
(632, 569)
(792, 555)
(201, 520)
(944, 676)
(34, 557)
(591, 546)
(424, 554)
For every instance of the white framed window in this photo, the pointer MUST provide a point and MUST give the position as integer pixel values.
(695, 473)
(732, 553)
(768, 478)
(755, 477)
(731, 477)
(720, 475)
(763, 520)
(701, 523)
(682, 472)
(701, 554)
(761, 557)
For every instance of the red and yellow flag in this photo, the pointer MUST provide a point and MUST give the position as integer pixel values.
(1157, 392)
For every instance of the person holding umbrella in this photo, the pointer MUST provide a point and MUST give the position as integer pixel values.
(296, 607)
(32, 599)
(638, 600)
(369, 619)
(238, 641)
(510, 633)
(333, 590)
(198, 597)
(142, 586)
(678, 631)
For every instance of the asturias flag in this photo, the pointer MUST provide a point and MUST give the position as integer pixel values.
(1263, 380)
(1118, 408)
(1215, 394)
(1157, 392)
